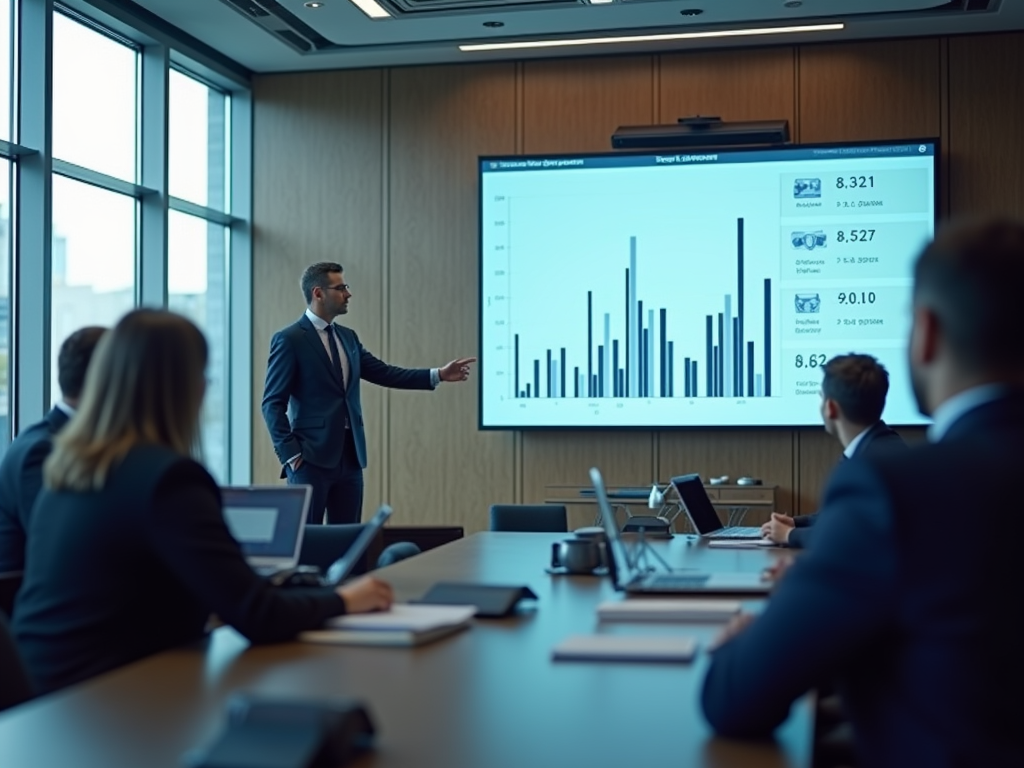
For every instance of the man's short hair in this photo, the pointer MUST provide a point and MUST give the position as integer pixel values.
(858, 384)
(315, 276)
(73, 359)
(970, 276)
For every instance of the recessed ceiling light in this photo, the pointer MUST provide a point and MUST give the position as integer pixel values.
(600, 2)
(757, 31)
(314, 5)
(493, 24)
(372, 9)
(691, 12)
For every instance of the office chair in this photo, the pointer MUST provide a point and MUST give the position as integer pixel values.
(323, 544)
(10, 583)
(532, 518)
(14, 685)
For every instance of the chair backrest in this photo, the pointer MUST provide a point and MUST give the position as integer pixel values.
(14, 684)
(10, 583)
(323, 544)
(533, 518)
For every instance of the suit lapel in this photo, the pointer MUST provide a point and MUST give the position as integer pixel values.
(313, 339)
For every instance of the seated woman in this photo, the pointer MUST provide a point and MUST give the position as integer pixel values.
(128, 553)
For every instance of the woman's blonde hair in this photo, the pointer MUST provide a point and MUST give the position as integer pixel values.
(145, 385)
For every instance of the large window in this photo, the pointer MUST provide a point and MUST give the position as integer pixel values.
(95, 99)
(95, 107)
(197, 269)
(93, 261)
(5, 301)
(118, 175)
(198, 240)
(6, 52)
(197, 142)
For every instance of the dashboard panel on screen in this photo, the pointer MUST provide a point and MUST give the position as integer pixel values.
(699, 289)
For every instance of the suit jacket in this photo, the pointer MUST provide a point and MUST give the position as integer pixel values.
(305, 405)
(919, 626)
(879, 439)
(21, 478)
(115, 575)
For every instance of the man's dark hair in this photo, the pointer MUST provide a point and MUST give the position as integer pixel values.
(315, 276)
(970, 276)
(73, 359)
(859, 384)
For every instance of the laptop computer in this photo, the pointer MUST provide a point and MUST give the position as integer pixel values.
(626, 576)
(702, 514)
(268, 522)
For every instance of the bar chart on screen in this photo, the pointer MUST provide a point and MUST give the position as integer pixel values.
(706, 295)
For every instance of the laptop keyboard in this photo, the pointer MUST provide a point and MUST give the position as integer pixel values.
(737, 532)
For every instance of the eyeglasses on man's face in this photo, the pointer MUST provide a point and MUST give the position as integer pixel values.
(341, 287)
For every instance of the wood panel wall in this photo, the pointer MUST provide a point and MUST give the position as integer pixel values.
(376, 169)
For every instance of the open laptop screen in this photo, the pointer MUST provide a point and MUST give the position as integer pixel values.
(619, 565)
(266, 521)
(699, 508)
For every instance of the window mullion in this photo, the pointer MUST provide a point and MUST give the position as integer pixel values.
(152, 262)
(31, 296)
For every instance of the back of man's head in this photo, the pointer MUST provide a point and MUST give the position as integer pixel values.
(73, 360)
(970, 277)
(858, 384)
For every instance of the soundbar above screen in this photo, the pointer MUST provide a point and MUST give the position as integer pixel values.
(700, 289)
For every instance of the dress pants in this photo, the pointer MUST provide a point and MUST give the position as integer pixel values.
(338, 491)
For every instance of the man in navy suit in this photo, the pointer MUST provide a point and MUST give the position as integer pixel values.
(21, 471)
(918, 625)
(853, 392)
(311, 397)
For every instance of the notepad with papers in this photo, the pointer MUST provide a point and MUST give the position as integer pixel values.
(625, 648)
(675, 609)
(403, 625)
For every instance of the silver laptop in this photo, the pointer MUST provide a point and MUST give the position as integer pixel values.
(702, 514)
(268, 521)
(628, 577)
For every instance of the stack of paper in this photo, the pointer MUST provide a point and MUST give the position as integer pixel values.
(625, 648)
(403, 625)
(643, 609)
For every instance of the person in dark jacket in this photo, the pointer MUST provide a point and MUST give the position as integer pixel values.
(21, 471)
(853, 392)
(915, 624)
(128, 552)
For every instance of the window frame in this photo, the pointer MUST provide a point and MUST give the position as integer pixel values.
(160, 48)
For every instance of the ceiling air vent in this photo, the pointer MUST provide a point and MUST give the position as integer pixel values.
(282, 24)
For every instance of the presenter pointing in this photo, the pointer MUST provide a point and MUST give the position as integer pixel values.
(311, 396)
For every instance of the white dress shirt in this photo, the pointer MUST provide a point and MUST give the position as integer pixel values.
(849, 450)
(67, 409)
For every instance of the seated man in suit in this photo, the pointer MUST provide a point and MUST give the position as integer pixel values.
(853, 391)
(913, 625)
(21, 471)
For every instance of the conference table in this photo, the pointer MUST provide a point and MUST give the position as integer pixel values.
(487, 697)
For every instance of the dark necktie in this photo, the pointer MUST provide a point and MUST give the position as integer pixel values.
(335, 355)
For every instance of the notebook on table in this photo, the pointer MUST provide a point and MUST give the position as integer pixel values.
(403, 625)
(625, 648)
